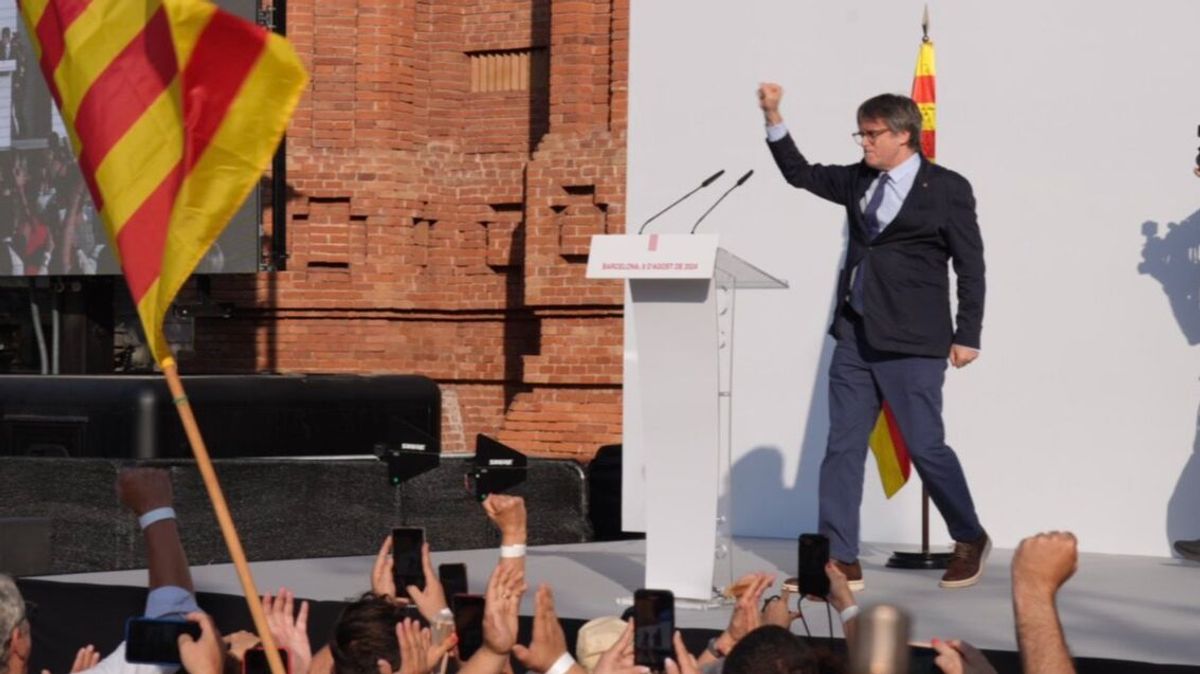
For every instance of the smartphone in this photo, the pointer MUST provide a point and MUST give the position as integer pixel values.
(653, 628)
(406, 558)
(255, 661)
(154, 641)
(812, 556)
(468, 623)
(454, 578)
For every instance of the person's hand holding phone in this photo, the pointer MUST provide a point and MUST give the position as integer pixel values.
(684, 662)
(432, 598)
(203, 655)
(618, 659)
(382, 581)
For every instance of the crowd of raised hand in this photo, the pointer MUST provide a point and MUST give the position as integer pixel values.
(394, 630)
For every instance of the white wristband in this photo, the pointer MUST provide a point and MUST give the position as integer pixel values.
(158, 514)
(512, 552)
(849, 613)
(562, 664)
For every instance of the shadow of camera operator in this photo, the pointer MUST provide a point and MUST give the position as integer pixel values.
(1173, 260)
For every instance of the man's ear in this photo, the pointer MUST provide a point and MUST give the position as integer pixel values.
(21, 640)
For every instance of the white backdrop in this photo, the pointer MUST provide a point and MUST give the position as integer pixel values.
(1076, 123)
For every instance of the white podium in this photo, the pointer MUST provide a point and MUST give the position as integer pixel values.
(676, 452)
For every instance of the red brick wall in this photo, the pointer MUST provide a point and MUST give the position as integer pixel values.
(441, 232)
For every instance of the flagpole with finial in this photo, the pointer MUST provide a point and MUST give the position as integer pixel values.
(924, 95)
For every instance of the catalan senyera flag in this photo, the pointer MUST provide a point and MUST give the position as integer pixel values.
(924, 92)
(174, 109)
(891, 454)
(886, 441)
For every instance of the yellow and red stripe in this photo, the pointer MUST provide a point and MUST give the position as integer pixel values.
(174, 108)
(891, 453)
(924, 92)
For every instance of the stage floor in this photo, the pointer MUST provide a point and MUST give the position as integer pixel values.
(1116, 606)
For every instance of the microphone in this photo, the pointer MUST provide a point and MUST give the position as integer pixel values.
(741, 181)
(707, 181)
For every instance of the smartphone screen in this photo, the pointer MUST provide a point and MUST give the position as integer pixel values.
(406, 558)
(155, 641)
(813, 554)
(454, 578)
(468, 623)
(653, 628)
(255, 661)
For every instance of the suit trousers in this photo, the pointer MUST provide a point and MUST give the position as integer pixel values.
(860, 378)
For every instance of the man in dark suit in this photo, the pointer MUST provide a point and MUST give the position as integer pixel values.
(907, 219)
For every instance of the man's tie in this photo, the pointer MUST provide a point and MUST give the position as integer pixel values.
(871, 220)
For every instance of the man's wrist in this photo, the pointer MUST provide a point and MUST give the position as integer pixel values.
(514, 538)
(155, 515)
(724, 643)
(562, 665)
(773, 117)
(1032, 593)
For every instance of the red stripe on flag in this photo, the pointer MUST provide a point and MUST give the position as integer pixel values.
(929, 144)
(127, 86)
(897, 441)
(143, 237)
(51, 35)
(924, 89)
(226, 51)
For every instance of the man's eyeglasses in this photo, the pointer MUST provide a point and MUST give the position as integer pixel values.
(863, 137)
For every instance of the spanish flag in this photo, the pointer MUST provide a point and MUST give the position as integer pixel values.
(886, 441)
(174, 109)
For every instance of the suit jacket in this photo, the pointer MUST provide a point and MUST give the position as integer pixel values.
(906, 294)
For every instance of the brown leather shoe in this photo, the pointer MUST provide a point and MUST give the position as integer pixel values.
(854, 575)
(966, 565)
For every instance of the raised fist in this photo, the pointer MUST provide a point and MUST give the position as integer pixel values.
(1044, 562)
(769, 95)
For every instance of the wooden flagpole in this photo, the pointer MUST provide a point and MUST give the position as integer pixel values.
(217, 497)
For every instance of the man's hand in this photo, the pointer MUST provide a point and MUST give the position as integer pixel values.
(508, 514)
(619, 658)
(501, 603)
(960, 657)
(549, 642)
(383, 582)
(144, 489)
(290, 633)
(840, 594)
(962, 356)
(769, 96)
(203, 655)
(418, 653)
(85, 658)
(239, 642)
(684, 662)
(433, 598)
(777, 611)
(1042, 563)
(746, 616)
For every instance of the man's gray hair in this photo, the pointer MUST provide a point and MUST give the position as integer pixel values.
(12, 614)
(900, 113)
